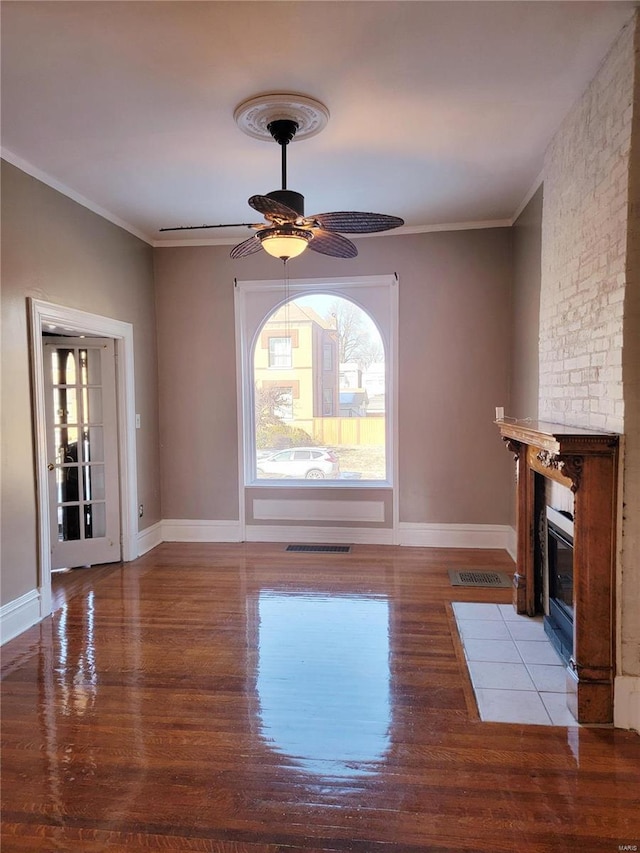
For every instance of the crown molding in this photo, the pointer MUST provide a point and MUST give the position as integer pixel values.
(533, 189)
(45, 178)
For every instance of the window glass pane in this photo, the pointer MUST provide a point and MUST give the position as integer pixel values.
(90, 360)
(92, 405)
(55, 366)
(68, 523)
(63, 366)
(94, 521)
(332, 395)
(93, 444)
(93, 480)
(69, 374)
(66, 439)
(65, 406)
(67, 484)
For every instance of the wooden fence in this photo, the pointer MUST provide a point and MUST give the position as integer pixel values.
(345, 431)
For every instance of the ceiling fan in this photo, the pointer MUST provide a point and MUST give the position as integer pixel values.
(287, 232)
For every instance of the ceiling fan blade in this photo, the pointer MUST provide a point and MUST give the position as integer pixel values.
(269, 208)
(198, 227)
(328, 243)
(353, 222)
(247, 247)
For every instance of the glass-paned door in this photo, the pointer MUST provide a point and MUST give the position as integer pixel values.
(83, 451)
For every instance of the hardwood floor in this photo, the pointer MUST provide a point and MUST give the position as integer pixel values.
(242, 699)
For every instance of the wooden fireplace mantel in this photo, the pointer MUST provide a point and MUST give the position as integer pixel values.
(585, 461)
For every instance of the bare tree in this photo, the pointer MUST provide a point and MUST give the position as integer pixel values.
(371, 352)
(269, 400)
(355, 342)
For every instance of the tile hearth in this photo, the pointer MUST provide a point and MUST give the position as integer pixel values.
(517, 675)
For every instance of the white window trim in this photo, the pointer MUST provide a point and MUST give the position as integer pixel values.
(274, 293)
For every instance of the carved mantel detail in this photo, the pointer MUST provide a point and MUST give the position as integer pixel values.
(573, 466)
(548, 459)
(570, 466)
(512, 446)
(585, 461)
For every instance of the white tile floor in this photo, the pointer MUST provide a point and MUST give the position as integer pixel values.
(516, 673)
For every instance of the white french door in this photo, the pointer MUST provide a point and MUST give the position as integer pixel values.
(82, 451)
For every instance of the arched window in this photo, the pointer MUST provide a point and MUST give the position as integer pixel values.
(316, 361)
(319, 392)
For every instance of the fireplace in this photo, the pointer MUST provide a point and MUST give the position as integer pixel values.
(580, 584)
(558, 581)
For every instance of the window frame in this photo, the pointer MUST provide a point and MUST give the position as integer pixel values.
(255, 302)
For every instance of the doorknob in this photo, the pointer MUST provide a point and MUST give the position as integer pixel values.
(51, 466)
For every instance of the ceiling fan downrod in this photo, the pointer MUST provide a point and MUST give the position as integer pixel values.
(283, 130)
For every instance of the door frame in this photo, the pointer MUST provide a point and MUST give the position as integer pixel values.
(43, 315)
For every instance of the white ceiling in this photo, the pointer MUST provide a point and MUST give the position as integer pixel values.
(440, 111)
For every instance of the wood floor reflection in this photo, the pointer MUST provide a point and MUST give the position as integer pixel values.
(242, 699)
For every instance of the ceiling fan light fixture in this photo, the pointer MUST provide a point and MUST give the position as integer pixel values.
(285, 242)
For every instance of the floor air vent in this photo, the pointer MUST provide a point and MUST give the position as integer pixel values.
(320, 549)
(474, 577)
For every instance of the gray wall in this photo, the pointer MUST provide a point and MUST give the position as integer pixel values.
(54, 249)
(197, 391)
(454, 342)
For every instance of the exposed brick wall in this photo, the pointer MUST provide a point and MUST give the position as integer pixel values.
(584, 248)
(590, 303)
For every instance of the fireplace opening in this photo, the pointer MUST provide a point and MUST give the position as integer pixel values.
(559, 606)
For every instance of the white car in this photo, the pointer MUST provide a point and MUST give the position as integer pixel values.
(303, 463)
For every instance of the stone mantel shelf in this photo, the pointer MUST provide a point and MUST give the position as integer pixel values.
(585, 461)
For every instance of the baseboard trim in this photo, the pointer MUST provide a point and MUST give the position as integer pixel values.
(194, 530)
(149, 538)
(484, 536)
(512, 543)
(18, 615)
(626, 703)
(313, 534)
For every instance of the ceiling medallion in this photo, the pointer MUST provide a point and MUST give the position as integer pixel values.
(254, 115)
